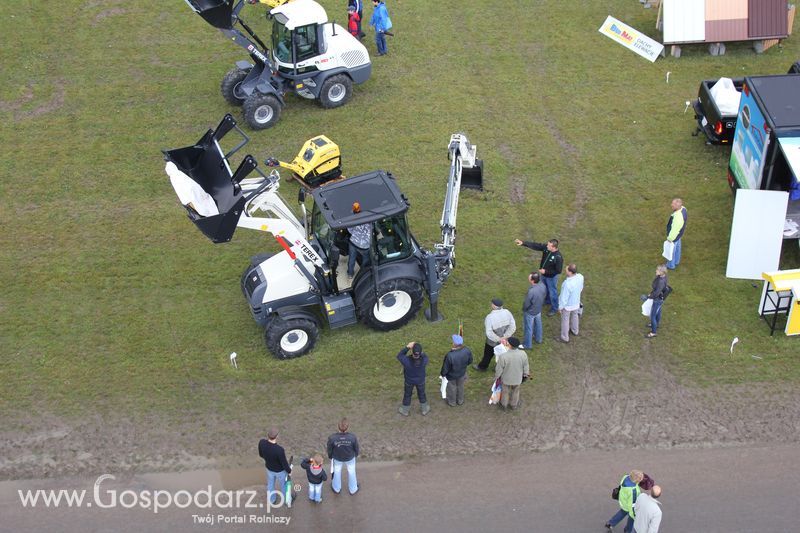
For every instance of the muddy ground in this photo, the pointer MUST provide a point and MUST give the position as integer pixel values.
(649, 409)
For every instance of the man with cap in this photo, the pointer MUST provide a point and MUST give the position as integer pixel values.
(454, 369)
(275, 460)
(414, 373)
(499, 324)
(512, 368)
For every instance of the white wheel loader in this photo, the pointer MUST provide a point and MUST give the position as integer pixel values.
(311, 57)
(293, 293)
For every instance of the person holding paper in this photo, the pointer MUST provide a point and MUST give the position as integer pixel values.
(676, 225)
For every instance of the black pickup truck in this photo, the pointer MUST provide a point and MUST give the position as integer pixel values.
(717, 127)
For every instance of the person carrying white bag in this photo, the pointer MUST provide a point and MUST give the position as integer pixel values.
(654, 301)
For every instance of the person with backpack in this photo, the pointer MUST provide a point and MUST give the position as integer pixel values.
(414, 375)
(659, 292)
(626, 494)
(382, 23)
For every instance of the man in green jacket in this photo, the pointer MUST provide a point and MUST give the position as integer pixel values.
(512, 366)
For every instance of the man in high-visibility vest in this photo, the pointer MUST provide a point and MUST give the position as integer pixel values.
(676, 225)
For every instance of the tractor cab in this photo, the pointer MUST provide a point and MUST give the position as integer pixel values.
(373, 199)
(298, 36)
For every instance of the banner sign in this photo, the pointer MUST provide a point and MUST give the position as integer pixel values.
(631, 38)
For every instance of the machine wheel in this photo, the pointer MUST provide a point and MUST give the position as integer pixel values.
(287, 339)
(336, 91)
(401, 299)
(230, 86)
(261, 111)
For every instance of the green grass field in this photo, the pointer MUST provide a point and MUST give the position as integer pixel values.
(112, 302)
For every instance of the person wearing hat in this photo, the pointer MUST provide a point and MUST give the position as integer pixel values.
(499, 324)
(512, 368)
(454, 369)
(414, 364)
(275, 460)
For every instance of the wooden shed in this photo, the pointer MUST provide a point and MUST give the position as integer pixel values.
(719, 21)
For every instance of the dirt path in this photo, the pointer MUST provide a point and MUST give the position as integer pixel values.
(591, 411)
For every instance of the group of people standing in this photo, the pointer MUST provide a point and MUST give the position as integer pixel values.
(543, 291)
(511, 370)
(637, 495)
(380, 21)
(342, 448)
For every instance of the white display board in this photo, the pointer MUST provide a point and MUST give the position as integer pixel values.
(756, 233)
(684, 21)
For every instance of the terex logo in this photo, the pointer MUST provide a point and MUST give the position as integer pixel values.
(308, 252)
(622, 34)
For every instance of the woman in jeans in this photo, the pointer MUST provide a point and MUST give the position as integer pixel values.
(658, 294)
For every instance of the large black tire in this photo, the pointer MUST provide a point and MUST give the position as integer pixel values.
(287, 339)
(230, 86)
(401, 300)
(261, 111)
(336, 91)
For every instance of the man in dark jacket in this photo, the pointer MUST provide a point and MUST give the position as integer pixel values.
(550, 268)
(454, 369)
(414, 373)
(343, 450)
(275, 460)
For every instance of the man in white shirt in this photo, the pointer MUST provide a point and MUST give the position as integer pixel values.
(647, 511)
(569, 303)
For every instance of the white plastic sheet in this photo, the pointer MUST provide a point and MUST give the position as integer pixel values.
(444, 387)
(726, 96)
(190, 192)
(647, 306)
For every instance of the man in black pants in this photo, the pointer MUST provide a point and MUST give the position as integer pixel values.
(498, 325)
(414, 374)
(454, 369)
(550, 268)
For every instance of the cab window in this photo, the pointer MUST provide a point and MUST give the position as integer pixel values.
(306, 42)
(391, 239)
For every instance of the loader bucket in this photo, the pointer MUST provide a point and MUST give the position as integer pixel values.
(218, 13)
(472, 178)
(205, 185)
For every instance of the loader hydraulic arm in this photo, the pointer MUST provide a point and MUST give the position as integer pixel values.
(440, 263)
(223, 15)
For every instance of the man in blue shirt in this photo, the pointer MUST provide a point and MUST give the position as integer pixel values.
(381, 22)
(569, 303)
